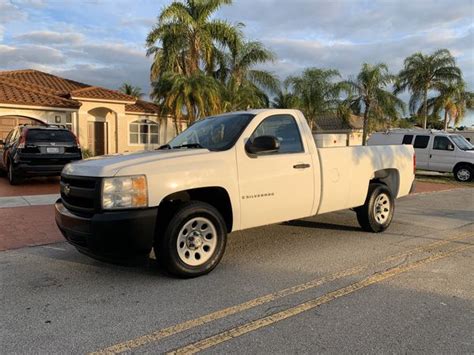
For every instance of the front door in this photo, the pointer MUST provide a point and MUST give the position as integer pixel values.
(278, 186)
(97, 138)
(442, 155)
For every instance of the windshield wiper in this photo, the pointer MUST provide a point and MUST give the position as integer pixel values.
(189, 145)
(165, 146)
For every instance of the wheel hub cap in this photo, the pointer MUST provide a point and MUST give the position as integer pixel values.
(463, 174)
(382, 208)
(197, 241)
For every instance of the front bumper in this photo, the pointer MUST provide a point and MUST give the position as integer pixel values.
(109, 236)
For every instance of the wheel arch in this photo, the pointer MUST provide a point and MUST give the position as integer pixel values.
(388, 177)
(462, 163)
(216, 196)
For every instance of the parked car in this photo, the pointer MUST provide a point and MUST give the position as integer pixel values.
(223, 174)
(435, 150)
(37, 151)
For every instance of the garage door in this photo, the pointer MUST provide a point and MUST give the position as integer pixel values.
(7, 123)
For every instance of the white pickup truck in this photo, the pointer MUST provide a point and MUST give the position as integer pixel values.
(223, 174)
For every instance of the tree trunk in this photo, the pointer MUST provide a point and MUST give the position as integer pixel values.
(445, 119)
(425, 108)
(366, 124)
(176, 126)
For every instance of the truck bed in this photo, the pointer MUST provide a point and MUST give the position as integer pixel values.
(346, 167)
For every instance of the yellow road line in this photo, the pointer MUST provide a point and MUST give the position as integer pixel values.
(303, 307)
(181, 327)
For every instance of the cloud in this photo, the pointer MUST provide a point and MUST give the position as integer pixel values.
(106, 76)
(28, 56)
(10, 12)
(294, 55)
(131, 21)
(359, 21)
(100, 44)
(51, 37)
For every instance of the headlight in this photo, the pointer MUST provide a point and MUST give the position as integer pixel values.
(124, 192)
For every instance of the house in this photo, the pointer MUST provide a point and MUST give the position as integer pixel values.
(106, 121)
(334, 130)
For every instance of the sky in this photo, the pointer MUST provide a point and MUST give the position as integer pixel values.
(102, 42)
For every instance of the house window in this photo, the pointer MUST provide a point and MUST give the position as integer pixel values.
(68, 124)
(144, 132)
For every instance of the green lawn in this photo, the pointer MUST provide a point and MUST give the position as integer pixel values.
(441, 178)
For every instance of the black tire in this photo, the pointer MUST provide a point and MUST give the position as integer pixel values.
(166, 244)
(371, 216)
(12, 175)
(463, 173)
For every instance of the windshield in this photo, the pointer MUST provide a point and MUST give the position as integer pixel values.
(462, 142)
(213, 133)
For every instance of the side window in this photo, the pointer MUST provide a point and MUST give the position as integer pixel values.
(442, 143)
(421, 142)
(285, 129)
(407, 139)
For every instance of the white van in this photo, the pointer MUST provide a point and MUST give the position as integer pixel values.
(435, 150)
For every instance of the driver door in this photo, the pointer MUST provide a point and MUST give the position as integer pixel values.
(278, 186)
(442, 155)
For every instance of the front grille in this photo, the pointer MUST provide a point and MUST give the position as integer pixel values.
(81, 194)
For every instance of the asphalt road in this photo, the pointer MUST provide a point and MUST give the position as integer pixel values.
(317, 285)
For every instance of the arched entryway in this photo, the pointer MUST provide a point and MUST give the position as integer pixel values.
(98, 130)
(9, 122)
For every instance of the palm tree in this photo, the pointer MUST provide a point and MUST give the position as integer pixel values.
(369, 94)
(187, 97)
(285, 99)
(129, 89)
(422, 73)
(316, 91)
(453, 100)
(189, 37)
(243, 85)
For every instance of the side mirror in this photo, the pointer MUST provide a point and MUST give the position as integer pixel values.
(450, 147)
(262, 144)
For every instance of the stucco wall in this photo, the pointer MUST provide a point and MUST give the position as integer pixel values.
(45, 115)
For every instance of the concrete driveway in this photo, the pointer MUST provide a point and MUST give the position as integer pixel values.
(316, 285)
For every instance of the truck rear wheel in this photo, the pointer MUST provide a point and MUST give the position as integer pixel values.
(377, 212)
(193, 242)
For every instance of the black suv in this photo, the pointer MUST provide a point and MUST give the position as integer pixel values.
(37, 151)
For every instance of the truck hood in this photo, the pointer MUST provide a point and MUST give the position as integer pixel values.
(109, 165)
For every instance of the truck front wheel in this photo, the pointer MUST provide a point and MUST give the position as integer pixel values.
(377, 212)
(194, 240)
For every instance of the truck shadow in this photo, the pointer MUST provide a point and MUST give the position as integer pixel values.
(319, 225)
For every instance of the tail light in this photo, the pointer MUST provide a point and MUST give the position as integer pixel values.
(414, 163)
(22, 142)
(77, 140)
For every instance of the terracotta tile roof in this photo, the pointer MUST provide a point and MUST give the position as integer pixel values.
(58, 85)
(96, 92)
(17, 94)
(143, 107)
(333, 122)
(42, 88)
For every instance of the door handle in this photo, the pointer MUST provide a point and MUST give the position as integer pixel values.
(301, 166)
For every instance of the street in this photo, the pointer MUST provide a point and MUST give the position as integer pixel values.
(308, 286)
